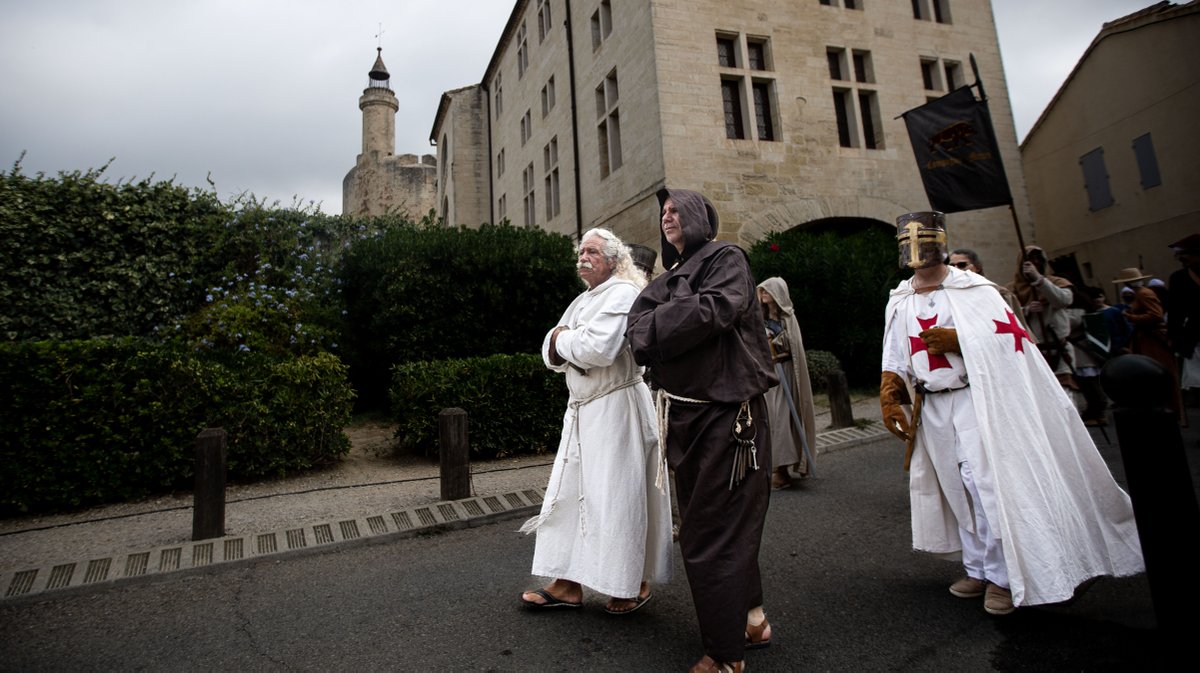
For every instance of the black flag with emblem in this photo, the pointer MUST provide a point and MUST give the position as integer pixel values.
(956, 152)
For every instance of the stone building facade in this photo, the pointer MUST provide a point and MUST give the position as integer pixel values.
(783, 112)
(1111, 163)
(462, 141)
(382, 182)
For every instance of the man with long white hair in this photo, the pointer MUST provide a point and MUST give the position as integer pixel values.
(605, 522)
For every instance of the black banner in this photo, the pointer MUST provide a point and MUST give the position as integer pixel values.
(956, 151)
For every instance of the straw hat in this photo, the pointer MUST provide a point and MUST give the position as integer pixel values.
(1129, 275)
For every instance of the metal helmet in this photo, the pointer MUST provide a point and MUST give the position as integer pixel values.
(922, 239)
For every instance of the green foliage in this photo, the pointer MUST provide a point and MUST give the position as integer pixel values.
(277, 292)
(426, 293)
(514, 404)
(106, 420)
(820, 365)
(839, 284)
(82, 258)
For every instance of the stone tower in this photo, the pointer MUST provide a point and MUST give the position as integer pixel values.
(382, 182)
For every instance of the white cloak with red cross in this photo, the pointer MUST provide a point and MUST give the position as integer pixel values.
(1061, 517)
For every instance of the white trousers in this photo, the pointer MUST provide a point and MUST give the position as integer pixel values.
(950, 424)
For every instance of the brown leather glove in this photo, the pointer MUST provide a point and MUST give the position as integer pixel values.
(893, 393)
(941, 340)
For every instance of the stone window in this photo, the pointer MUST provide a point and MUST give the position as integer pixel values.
(727, 51)
(937, 11)
(954, 75)
(836, 58)
(500, 163)
(544, 20)
(929, 75)
(601, 24)
(502, 207)
(940, 76)
(548, 97)
(756, 54)
(868, 107)
(527, 183)
(746, 81)
(522, 52)
(526, 128)
(608, 129)
(843, 110)
(1095, 180)
(848, 4)
(496, 86)
(764, 108)
(863, 72)
(731, 100)
(855, 108)
(550, 162)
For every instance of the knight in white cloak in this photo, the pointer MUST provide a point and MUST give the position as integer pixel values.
(1003, 471)
(606, 520)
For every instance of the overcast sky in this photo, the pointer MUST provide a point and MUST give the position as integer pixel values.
(262, 95)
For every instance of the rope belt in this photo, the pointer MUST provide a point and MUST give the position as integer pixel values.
(574, 431)
(662, 403)
(745, 456)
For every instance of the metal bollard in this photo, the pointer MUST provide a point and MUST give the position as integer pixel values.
(208, 509)
(1160, 482)
(454, 452)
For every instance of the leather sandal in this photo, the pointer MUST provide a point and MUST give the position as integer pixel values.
(709, 665)
(758, 637)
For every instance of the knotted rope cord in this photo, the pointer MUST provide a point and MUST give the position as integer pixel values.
(573, 431)
(745, 456)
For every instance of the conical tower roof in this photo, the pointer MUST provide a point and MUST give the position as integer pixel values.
(379, 71)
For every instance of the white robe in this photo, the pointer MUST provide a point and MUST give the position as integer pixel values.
(604, 524)
(1059, 514)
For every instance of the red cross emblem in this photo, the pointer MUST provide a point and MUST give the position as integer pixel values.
(1014, 328)
(916, 345)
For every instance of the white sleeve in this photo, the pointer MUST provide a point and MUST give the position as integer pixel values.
(599, 341)
(895, 350)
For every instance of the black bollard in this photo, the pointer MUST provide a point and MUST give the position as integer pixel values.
(1160, 482)
(208, 507)
(454, 451)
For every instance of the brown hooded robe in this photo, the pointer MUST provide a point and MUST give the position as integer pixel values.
(699, 329)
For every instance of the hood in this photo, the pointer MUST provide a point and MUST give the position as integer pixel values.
(778, 289)
(698, 218)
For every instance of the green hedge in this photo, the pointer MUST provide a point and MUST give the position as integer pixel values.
(107, 420)
(839, 283)
(514, 404)
(81, 258)
(429, 293)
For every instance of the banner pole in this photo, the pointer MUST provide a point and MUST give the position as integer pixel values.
(1017, 225)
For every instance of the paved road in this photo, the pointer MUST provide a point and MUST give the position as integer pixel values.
(844, 592)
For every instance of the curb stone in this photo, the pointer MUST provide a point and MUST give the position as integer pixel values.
(201, 555)
(204, 555)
